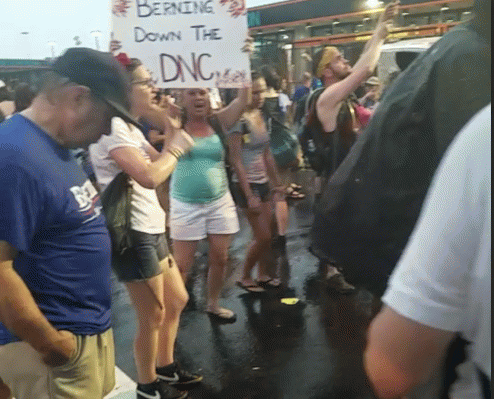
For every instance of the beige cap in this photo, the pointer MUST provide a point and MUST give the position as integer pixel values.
(372, 81)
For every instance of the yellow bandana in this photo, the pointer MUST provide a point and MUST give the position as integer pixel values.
(330, 53)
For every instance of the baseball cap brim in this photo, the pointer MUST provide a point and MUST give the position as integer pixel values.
(121, 112)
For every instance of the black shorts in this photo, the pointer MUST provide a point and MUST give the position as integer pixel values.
(142, 260)
(260, 190)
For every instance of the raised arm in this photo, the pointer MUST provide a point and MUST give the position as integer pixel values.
(21, 315)
(364, 67)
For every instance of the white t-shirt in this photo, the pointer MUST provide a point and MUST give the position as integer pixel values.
(147, 215)
(284, 102)
(443, 279)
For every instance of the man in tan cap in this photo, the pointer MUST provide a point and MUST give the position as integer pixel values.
(335, 112)
(340, 79)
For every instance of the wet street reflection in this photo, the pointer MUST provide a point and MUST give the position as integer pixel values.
(299, 342)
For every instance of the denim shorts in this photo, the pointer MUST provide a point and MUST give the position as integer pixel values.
(260, 190)
(142, 260)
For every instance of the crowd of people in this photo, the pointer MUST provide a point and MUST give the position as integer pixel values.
(190, 161)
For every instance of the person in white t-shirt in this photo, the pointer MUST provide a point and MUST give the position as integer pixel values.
(441, 287)
(148, 270)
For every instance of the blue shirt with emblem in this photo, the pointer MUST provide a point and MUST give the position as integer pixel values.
(51, 213)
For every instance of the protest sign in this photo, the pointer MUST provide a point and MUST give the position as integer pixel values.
(189, 43)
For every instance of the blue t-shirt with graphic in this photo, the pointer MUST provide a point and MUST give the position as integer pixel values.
(51, 213)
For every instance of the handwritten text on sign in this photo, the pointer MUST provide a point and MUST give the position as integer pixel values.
(196, 43)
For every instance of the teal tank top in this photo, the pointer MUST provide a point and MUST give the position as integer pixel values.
(200, 175)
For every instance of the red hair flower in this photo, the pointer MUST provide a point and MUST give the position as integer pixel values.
(123, 59)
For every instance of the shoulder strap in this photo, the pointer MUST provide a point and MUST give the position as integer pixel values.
(215, 123)
(88, 169)
(312, 98)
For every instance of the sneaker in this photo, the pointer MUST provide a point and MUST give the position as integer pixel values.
(338, 283)
(174, 375)
(162, 391)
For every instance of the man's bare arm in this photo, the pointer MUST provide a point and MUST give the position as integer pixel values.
(20, 314)
(402, 353)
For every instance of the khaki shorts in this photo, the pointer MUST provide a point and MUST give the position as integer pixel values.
(89, 374)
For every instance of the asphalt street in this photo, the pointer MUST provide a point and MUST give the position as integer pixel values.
(279, 348)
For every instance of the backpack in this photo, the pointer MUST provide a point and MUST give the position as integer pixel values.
(322, 151)
(283, 143)
(370, 205)
(311, 132)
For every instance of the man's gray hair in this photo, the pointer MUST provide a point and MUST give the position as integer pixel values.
(51, 81)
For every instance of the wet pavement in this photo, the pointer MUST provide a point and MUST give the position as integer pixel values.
(310, 349)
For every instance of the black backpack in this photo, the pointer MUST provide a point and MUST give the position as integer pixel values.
(323, 151)
(316, 152)
(370, 205)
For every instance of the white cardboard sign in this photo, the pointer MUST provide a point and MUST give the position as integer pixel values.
(185, 43)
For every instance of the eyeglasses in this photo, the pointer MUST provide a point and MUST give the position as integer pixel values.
(146, 82)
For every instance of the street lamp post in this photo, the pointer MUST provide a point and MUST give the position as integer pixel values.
(28, 47)
(52, 47)
(96, 34)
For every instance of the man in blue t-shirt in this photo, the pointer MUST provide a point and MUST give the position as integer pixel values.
(303, 89)
(55, 322)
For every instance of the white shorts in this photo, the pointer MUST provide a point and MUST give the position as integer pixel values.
(193, 222)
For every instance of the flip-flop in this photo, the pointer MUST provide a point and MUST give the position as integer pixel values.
(222, 315)
(271, 283)
(253, 288)
(296, 187)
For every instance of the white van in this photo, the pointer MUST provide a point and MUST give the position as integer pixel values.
(407, 49)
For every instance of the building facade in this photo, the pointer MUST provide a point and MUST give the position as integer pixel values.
(288, 33)
(29, 71)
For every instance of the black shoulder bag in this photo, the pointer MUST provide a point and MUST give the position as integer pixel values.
(116, 200)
